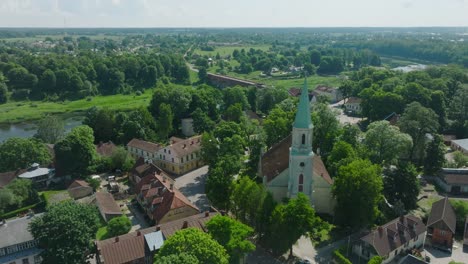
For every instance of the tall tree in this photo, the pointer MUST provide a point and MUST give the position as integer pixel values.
(417, 121)
(277, 125)
(50, 129)
(341, 154)
(196, 243)
(20, 153)
(402, 185)
(165, 120)
(435, 156)
(66, 232)
(76, 153)
(232, 235)
(357, 189)
(386, 143)
(119, 226)
(3, 93)
(326, 128)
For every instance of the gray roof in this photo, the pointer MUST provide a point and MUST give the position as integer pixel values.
(35, 173)
(410, 259)
(443, 211)
(463, 143)
(154, 240)
(16, 231)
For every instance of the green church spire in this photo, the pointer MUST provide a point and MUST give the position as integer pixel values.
(303, 119)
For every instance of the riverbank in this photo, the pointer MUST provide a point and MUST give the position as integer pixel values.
(17, 112)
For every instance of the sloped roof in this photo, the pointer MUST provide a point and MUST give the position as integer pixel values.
(144, 145)
(395, 233)
(142, 168)
(463, 143)
(325, 89)
(106, 149)
(131, 246)
(182, 148)
(276, 160)
(107, 204)
(354, 100)
(443, 211)
(78, 183)
(16, 231)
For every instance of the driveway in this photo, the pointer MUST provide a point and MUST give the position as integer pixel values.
(192, 185)
(441, 257)
(344, 119)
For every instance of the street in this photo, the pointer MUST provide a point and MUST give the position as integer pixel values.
(192, 185)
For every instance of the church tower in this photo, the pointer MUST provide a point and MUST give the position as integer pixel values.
(300, 152)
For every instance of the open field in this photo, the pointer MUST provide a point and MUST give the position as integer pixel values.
(14, 112)
(227, 50)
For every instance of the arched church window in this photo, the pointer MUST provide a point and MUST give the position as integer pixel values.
(303, 139)
(301, 179)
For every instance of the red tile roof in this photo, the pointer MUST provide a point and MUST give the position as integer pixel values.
(78, 183)
(144, 145)
(392, 235)
(131, 246)
(182, 148)
(276, 160)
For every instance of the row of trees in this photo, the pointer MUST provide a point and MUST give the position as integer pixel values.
(17, 194)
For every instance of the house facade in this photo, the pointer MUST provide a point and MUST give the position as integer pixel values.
(333, 93)
(392, 239)
(441, 224)
(291, 167)
(161, 201)
(17, 245)
(353, 105)
(453, 181)
(180, 156)
(144, 149)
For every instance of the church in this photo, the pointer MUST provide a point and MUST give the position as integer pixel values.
(291, 167)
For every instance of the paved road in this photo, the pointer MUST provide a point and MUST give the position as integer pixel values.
(192, 185)
(344, 119)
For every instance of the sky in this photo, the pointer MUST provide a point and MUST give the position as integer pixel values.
(233, 13)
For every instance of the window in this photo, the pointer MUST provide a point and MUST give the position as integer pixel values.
(172, 159)
(164, 150)
(302, 164)
(25, 261)
(303, 139)
(191, 156)
(169, 151)
(37, 259)
(301, 179)
(300, 188)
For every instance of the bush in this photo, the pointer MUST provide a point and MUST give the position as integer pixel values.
(339, 258)
(138, 93)
(118, 226)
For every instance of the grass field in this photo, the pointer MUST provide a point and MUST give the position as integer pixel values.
(227, 50)
(14, 112)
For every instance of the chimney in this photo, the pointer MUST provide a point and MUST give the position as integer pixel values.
(116, 239)
(138, 233)
(185, 225)
(158, 227)
(207, 213)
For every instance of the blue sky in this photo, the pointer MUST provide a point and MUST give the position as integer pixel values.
(233, 13)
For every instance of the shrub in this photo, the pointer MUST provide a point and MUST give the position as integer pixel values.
(138, 93)
(118, 226)
(339, 258)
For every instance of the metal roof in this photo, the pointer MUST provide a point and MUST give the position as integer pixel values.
(463, 143)
(16, 231)
(154, 240)
(35, 173)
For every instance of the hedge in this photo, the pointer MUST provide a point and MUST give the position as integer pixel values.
(339, 258)
(23, 209)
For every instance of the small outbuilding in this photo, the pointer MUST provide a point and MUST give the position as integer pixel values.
(460, 145)
(107, 206)
(79, 189)
(441, 224)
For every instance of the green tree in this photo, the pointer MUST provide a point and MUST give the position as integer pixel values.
(232, 235)
(165, 120)
(460, 159)
(3, 93)
(24, 192)
(50, 129)
(277, 125)
(76, 153)
(245, 199)
(341, 154)
(202, 122)
(235, 95)
(290, 222)
(375, 260)
(66, 232)
(121, 159)
(234, 113)
(196, 243)
(94, 183)
(417, 121)
(181, 258)
(119, 226)
(20, 153)
(102, 122)
(402, 184)
(386, 144)
(326, 128)
(435, 156)
(202, 75)
(219, 181)
(357, 189)
(7, 199)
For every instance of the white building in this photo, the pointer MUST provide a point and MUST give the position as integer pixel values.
(291, 167)
(40, 176)
(144, 149)
(353, 105)
(392, 239)
(333, 93)
(17, 245)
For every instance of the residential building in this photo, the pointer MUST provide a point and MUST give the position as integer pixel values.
(353, 105)
(291, 167)
(79, 189)
(180, 156)
(107, 206)
(144, 149)
(460, 145)
(448, 139)
(187, 127)
(17, 245)
(142, 168)
(40, 176)
(140, 247)
(454, 181)
(333, 93)
(161, 201)
(394, 238)
(441, 224)
(106, 149)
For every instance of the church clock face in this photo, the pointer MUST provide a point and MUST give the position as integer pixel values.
(302, 164)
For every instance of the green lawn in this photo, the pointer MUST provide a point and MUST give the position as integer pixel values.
(227, 50)
(55, 196)
(13, 112)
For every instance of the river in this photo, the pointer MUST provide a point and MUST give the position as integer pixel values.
(28, 129)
